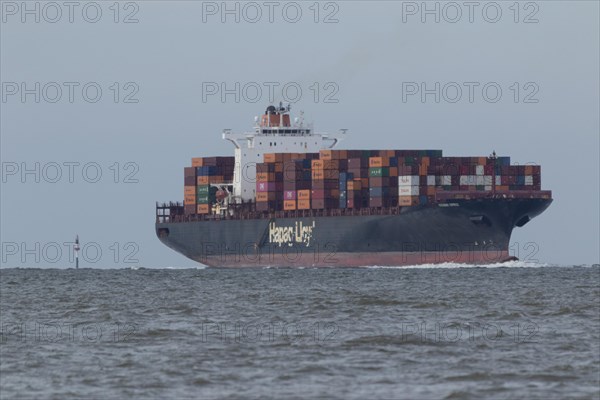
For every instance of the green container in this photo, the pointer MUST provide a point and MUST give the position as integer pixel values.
(479, 187)
(202, 190)
(379, 171)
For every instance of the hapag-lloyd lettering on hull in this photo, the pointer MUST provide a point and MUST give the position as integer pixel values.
(299, 233)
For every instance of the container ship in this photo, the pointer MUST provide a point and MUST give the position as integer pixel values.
(289, 198)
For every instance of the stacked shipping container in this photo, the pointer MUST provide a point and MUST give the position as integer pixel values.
(199, 191)
(357, 178)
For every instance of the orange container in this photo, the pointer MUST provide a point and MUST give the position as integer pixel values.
(317, 164)
(202, 180)
(215, 179)
(408, 200)
(189, 195)
(430, 190)
(393, 171)
(303, 195)
(203, 209)
(289, 205)
(269, 157)
(528, 170)
(354, 185)
(375, 162)
(304, 204)
(189, 199)
(197, 162)
(325, 155)
(262, 177)
(317, 174)
(265, 196)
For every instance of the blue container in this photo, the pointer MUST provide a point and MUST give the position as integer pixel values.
(346, 176)
(423, 199)
(393, 162)
(503, 161)
(379, 191)
(206, 171)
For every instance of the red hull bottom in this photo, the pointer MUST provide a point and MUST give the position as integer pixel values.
(338, 260)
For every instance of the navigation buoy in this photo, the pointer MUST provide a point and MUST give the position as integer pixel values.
(76, 249)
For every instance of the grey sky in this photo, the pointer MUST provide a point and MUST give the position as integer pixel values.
(367, 55)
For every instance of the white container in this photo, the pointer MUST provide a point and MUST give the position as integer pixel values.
(487, 188)
(487, 180)
(479, 170)
(470, 180)
(498, 180)
(408, 180)
(528, 180)
(430, 180)
(446, 180)
(479, 180)
(408, 190)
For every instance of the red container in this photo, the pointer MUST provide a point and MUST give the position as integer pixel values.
(317, 194)
(317, 204)
(189, 171)
(320, 184)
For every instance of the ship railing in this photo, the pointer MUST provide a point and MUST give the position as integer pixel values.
(174, 212)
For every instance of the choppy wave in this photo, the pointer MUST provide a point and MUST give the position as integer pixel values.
(337, 333)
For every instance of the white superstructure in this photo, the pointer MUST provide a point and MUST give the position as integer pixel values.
(273, 133)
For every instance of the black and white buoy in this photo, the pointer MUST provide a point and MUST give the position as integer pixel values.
(76, 248)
